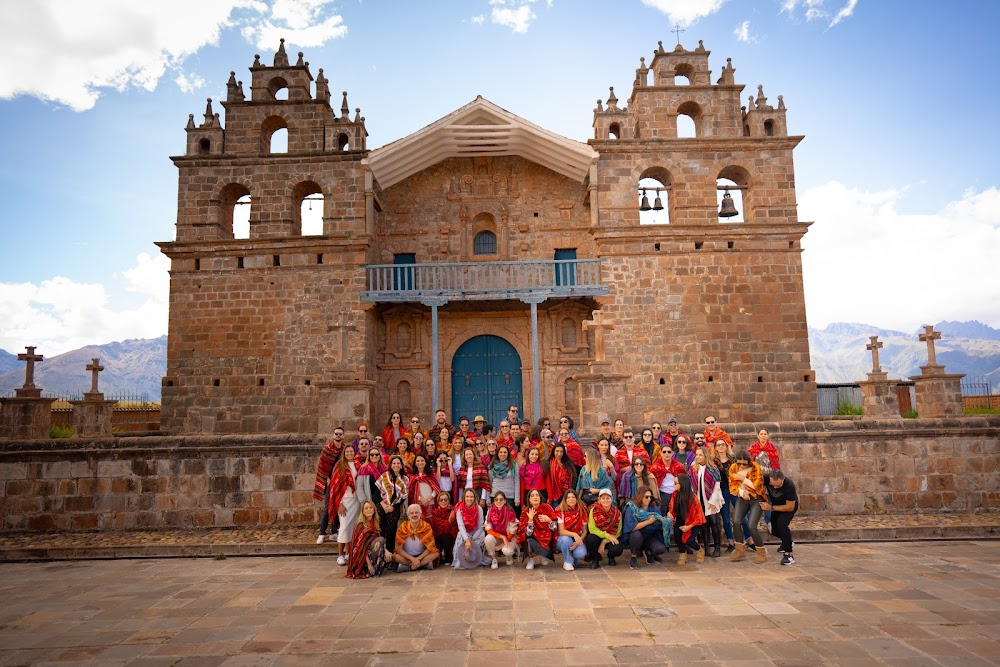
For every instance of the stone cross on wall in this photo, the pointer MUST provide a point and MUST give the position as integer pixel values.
(345, 330)
(94, 367)
(29, 370)
(874, 347)
(929, 336)
(599, 325)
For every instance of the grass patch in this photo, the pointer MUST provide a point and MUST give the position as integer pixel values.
(981, 410)
(910, 414)
(60, 431)
(220, 556)
(849, 409)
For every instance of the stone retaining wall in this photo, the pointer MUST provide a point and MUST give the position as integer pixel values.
(840, 467)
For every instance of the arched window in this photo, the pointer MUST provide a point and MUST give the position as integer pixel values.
(688, 120)
(683, 74)
(485, 243)
(569, 393)
(278, 88)
(274, 135)
(735, 181)
(308, 205)
(615, 131)
(404, 337)
(234, 212)
(204, 147)
(404, 397)
(343, 142)
(568, 332)
(241, 218)
(653, 197)
(769, 128)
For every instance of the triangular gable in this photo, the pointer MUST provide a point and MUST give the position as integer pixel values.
(479, 129)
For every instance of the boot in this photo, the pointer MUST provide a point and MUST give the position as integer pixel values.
(740, 553)
(699, 555)
(683, 558)
(717, 552)
(761, 556)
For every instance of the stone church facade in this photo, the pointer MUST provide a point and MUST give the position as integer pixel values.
(483, 261)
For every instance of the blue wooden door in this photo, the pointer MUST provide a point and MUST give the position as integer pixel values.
(565, 273)
(485, 379)
(402, 278)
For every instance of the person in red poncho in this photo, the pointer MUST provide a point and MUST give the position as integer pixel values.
(443, 524)
(629, 450)
(534, 532)
(424, 487)
(560, 474)
(321, 488)
(686, 513)
(666, 469)
(344, 500)
(393, 430)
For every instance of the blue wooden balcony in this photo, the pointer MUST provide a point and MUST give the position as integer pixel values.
(532, 280)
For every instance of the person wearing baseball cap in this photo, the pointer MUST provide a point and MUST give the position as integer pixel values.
(604, 530)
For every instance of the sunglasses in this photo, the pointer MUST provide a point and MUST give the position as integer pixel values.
(414, 421)
(563, 421)
(362, 430)
(709, 422)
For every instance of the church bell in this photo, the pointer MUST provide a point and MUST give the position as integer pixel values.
(657, 203)
(644, 204)
(728, 208)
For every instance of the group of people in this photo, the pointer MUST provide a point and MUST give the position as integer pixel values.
(408, 498)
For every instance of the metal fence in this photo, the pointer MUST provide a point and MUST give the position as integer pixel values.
(831, 396)
(978, 392)
(133, 411)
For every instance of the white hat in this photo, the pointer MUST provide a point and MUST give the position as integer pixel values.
(605, 492)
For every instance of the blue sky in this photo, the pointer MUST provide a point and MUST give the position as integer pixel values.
(897, 169)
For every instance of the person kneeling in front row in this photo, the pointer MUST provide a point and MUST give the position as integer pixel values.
(783, 501)
(604, 530)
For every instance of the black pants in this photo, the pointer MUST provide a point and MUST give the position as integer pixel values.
(593, 543)
(780, 528)
(692, 544)
(446, 543)
(638, 543)
(712, 528)
(532, 546)
(324, 518)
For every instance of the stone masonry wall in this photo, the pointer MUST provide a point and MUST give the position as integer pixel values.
(840, 467)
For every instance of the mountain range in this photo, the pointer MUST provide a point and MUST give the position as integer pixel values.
(838, 355)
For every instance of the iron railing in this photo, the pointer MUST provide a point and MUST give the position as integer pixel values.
(461, 281)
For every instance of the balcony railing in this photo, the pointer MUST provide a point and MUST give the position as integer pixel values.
(463, 281)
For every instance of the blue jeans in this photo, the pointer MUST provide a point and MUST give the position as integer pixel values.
(726, 513)
(563, 543)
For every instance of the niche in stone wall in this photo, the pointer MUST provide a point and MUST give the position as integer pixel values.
(404, 397)
(566, 328)
(403, 327)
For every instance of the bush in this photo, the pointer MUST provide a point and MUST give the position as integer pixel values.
(849, 409)
(910, 414)
(60, 431)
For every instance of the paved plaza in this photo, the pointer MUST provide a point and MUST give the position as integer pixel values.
(862, 604)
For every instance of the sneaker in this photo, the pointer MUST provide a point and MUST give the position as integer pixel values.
(730, 548)
(781, 550)
(568, 567)
(494, 565)
(611, 561)
(545, 561)
(510, 561)
(595, 565)
(649, 559)
(402, 568)
(319, 540)
(429, 566)
(787, 559)
(530, 565)
(341, 560)
(768, 527)
(633, 563)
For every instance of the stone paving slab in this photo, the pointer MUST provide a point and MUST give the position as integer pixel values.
(301, 541)
(896, 603)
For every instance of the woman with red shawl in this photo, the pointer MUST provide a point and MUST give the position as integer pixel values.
(423, 487)
(471, 535)
(560, 473)
(443, 524)
(472, 474)
(534, 533)
(571, 516)
(344, 500)
(368, 557)
(604, 530)
(532, 476)
(392, 431)
(687, 515)
(501, 525)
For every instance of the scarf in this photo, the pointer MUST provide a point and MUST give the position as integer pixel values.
(500, 469)
(639, 515)
(374, 468)
(588, 482)
(575, 453)
(693, 516)
(480, 479)
(422, 532)
(327, 459)
(560, 479)
(627, 484)
(470, 516)
(364, 534)
(414, 489)
(532, 477)
(542, 532)
(769, 449)
(660, 469)
(442, 521)
(574, 519)
(685, 458)
(340, 482)
(395, 488)
(606, 519)
(500, 518)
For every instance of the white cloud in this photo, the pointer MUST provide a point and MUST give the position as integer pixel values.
(299, 22)
(685, 12)
(189, 84)
(865, 261)
(60, 314)
(743, 34)
(517, 19)
(67, 52)
(817, 10)
(478, 20)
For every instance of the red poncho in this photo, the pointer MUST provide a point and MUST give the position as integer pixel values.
(542, 531)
